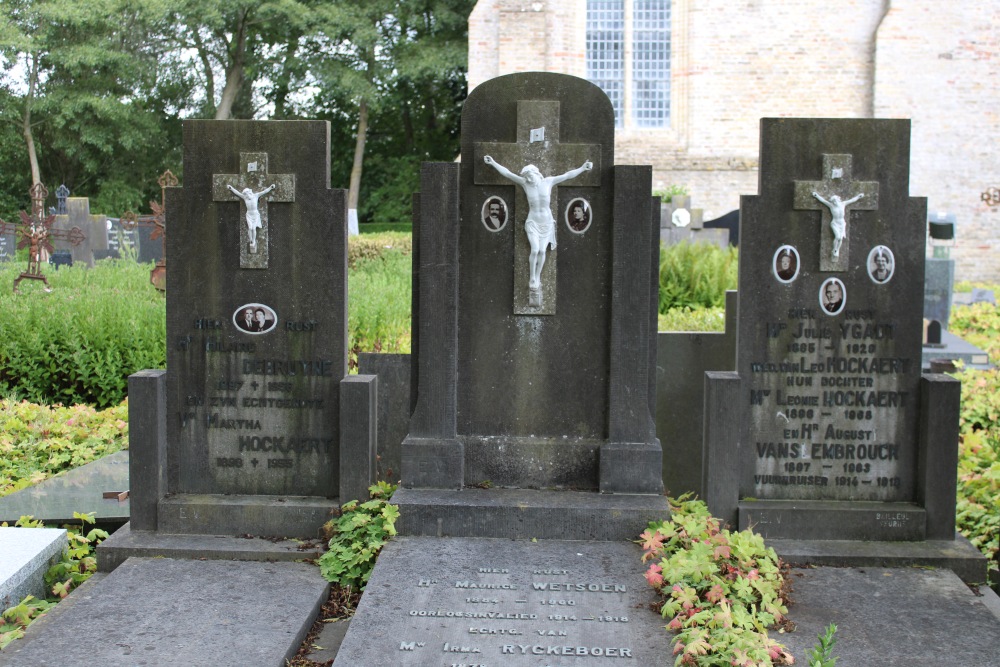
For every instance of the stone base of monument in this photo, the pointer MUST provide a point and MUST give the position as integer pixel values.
(957, 555)
(526, 514)
(166, 612)
(126, 543)
(834, 520)
(268, 516)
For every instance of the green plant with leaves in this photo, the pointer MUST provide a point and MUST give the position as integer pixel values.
(668, 193)
(79, 343)
(822, 654)
(978, 502)
(357, 537)
(980, 325)
(379, 289)
(39, 441)
(696, 275)
(78, 563)
(692, 319)
(721, 589)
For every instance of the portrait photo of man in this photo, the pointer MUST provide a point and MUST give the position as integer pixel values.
(881, 264)
(495, 214)
(244, 319)
(786, 264)
(832, 296)
(578, 215)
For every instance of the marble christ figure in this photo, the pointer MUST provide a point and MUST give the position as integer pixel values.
(838, 224)
(540, 226)
(250, 198)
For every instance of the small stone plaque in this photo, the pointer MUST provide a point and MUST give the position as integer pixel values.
(500, 603)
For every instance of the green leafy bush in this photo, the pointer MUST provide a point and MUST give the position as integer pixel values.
(38, 441)
(696, 275)
(721, 589)
(692, 319)
(978, 504)
(379, 289)
(79, 343)
(358, 536)
(980, 325)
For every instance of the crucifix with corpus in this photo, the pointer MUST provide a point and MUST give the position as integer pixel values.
(525, 163)
(254, 187)
(832, 196)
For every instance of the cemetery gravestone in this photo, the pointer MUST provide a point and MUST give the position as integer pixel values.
(837, 435)
(242, 434)
(94, 228)
(121, 241)
(554, 395)
(8, 245)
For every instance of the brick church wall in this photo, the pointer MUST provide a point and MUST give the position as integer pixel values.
(736, 62)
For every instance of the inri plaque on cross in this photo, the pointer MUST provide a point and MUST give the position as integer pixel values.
(537, 143)
(254, 187)
(833, 195)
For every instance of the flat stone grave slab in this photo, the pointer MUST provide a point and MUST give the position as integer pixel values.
(893, 617)
(163, 612)
(955, 348)
(79, 490)
(26, 554)
(441, 602)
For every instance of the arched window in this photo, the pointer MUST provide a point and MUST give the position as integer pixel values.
(628, 56)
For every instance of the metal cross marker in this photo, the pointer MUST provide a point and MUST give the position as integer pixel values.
(36, 232)
(257, 187)
(129, 221)
(832, 196)
(537, 143)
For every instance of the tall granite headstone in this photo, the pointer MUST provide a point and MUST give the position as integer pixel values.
(93, 226)
(244, 435)
(522, 386)
(827, 430)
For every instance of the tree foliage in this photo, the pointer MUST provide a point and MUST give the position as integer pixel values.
(96, 89)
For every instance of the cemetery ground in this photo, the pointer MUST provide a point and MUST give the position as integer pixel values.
(65, 357)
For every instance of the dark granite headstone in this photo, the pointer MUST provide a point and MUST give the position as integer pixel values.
(122, 241)
(242, 434)
(8, 246)
(837, 437)
(150, 249)
(730, 221)
(94, 228)
(939, 283)
(514, 394)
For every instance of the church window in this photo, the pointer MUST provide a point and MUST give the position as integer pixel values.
(628, 56)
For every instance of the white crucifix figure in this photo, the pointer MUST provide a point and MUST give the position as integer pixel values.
(250, 198)
(540, 226)
(535, 152)
(255, 188)
(832, 196)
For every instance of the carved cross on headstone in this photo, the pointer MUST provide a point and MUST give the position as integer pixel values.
(537, 143)
(840, 195)
(263, 187)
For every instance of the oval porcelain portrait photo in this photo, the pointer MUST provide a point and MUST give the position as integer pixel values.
(255, 318)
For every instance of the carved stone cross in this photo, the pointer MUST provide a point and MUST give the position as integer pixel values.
(254, 175)
(538, 144)
(834, 256)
